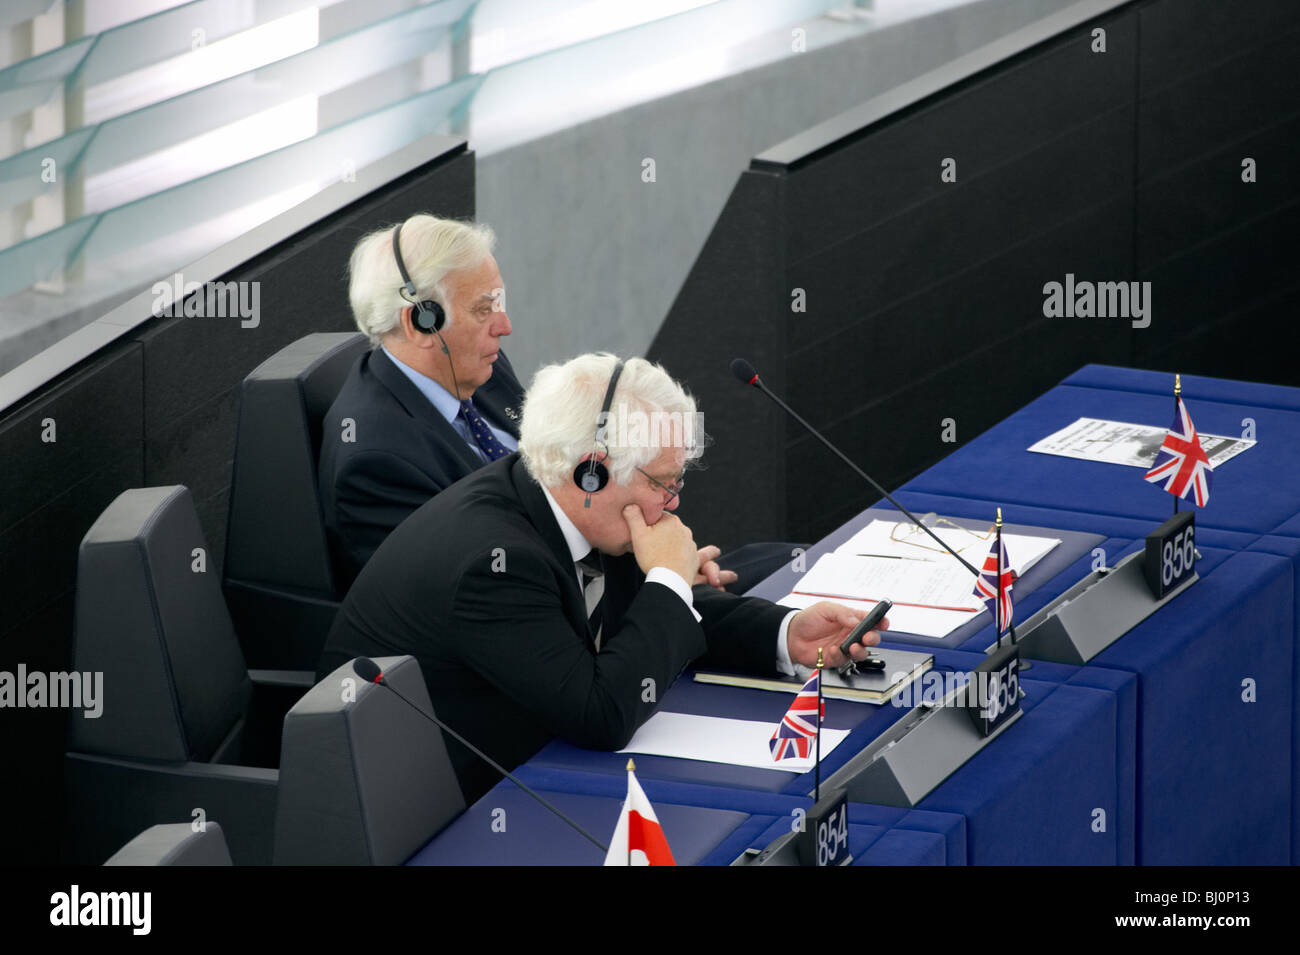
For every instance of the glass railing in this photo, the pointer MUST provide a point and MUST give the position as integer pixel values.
(133, 46)
(333, 65)
(101, 248)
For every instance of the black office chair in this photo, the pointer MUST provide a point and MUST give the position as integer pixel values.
(177, 843)
(183, 724)
(278, 575)
(364, 779)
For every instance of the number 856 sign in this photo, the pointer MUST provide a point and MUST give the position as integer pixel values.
(1171, 554)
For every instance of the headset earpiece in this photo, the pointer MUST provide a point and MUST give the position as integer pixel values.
(428, 317)
(591, 475)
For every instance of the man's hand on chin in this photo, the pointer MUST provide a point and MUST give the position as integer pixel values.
(825, 625)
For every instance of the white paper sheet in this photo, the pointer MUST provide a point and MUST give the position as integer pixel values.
(876, 539)
(718, 740)
(1134, 445)
(940, 584)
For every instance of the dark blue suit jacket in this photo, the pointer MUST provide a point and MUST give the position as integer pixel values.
(401, 453)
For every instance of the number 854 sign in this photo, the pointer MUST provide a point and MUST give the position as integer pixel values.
(823, 838)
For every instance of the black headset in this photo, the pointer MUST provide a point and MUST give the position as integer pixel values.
(592, 475)
(429, 316)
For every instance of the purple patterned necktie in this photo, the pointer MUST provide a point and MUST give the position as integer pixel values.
(483, 436)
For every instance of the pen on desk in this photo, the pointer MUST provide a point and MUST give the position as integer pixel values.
(893, 557)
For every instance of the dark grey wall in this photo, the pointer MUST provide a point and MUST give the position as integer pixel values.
(925, 298)
(1217, 83)
(156, 407)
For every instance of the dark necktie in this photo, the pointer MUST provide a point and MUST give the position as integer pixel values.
(593, 591)
(483, 436)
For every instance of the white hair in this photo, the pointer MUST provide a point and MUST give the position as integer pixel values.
(431, 248)
(649, 411)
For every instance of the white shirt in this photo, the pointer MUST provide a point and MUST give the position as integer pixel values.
(580, 547)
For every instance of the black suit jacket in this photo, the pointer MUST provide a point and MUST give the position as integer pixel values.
(479, 586)
(403, 453)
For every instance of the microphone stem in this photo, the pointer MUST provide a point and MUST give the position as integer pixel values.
(861, 473)
(491, 762)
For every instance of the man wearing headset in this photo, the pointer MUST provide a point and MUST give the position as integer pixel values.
(490, 584)
(435, 399)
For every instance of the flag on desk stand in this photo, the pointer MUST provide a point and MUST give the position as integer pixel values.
(994, 583)
(1182, 465)
(801, 725)
(638, 837)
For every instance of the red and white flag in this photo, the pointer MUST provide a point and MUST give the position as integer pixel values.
(638, 837)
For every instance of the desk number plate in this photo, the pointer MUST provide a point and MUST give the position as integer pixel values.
(1171, 554)
(996, 690)
(825, 839)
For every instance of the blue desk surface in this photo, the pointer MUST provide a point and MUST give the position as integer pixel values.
(1289, 548)
(509, 827)
(1222, 390)
(707, 825)
(1250, 493)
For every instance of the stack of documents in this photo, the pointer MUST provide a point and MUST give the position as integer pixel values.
(933, 594)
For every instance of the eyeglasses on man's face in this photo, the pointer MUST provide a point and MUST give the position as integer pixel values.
(672, 489)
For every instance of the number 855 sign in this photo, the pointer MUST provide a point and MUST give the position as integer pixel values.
(995, 690)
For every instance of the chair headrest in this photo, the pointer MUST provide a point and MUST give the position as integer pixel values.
(276, 534)
(364, 779)
(150, 617)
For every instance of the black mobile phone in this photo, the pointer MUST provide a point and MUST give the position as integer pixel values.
(866, 625)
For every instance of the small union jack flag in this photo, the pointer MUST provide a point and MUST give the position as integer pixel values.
(799, 726)
(986, 584)
(1181, 463)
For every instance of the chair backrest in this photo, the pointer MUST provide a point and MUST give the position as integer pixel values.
(276, 534)
(175, 844)
(364, 779)
(151, 619)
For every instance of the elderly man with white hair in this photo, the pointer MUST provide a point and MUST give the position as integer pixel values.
(491, 585)
(435, 399)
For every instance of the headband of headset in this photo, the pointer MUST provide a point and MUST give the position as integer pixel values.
(429, 316)
(592, 475)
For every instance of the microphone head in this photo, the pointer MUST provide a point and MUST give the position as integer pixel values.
(744, 371)
(367, 669)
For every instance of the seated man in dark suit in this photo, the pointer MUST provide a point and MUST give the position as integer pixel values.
(490, 585)
(436, 398)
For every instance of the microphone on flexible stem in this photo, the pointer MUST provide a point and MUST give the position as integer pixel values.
(746, 374)
(369, 671)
